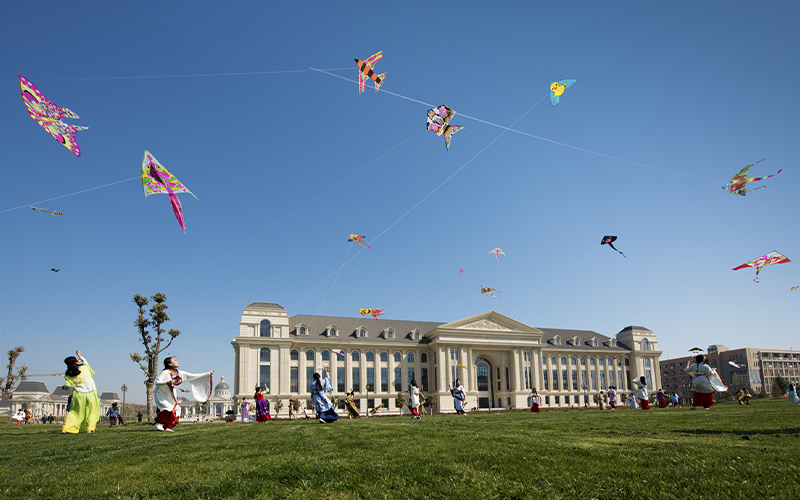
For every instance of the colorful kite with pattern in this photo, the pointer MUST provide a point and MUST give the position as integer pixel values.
(157, 180)
(738, 184)
(374, 312)
(558, 88)
(489, 290)
(366, 69)
(735, 365)
(765, 260)
(461, 271)
(359, 238)
(794, 288)
(609, 240)
(695, 350)
(497, 253)
(439, 122)
(49, 116)
(46, 211)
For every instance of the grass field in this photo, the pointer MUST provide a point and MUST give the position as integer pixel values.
(729, 452)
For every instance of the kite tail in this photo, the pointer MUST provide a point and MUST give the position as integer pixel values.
(612, 246)
(176, 207)
(379, 81)
(765, 177)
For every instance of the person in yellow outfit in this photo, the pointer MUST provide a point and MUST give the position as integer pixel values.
(85, 407)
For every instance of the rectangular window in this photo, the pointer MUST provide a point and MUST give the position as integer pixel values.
(424, 381)
(384, 379)
(263, 376)
(370, 403)
(398, 379)
(309, 376)
(574, 380)
(370, 379)
(558, 400)
(619, 376)
(411, 375)
(508, 380)
(340, 379)
(564, 379)
(603, 380)
(544, 379)
(294, 381)
(611, 377)
(593, 374)
(527, 376)
(648, 379)
(385, 402)
(555, 379)
(583, 379)
(356, 379)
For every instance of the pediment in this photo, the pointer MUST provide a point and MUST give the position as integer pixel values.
(486, 324)
(489, 321)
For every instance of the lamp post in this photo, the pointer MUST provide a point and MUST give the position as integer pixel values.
(124, 389)
(585, 400)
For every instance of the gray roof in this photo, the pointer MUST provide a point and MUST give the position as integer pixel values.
(31, 386)
(265, 305)
(109, 396)
(317, 329)
(585, 336)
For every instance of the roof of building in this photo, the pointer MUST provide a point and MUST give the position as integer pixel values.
(109, 396)
(221, 384)
(31, 386)
(265, 305)
(318, 328)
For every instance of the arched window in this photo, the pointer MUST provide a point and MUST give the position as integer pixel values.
(309, 355)
(610, 362)
(397, 357)
(591, 361)
(411, 357)
(384, 357)
(423, 357)
(264, 354)
(302, 330)
(326, 355)
(583, 361)
(416, 335)
(355, 355)
(389, 334)
(544, 359)
(264, 328)
(552, 360)
(332, 332)
(483, 377)
(294, 354)
(563, 360)
(573, 361)
(594, 343)
(370, 356)
(340, 355)
(645, 345)
(362, 333)
(600, 361)
(647, 362)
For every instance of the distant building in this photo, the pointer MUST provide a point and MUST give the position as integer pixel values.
(497, 358)
(749, 368)
(34, 396)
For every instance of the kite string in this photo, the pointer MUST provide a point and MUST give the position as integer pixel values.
(70, 194)
(509, 129)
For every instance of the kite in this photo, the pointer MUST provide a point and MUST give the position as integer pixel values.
(695, 350)
(366, 69)
(439, 122)
(338, 351)
(157, 180)
(558, 88)
(609, 240)
(46, 211)
(497, 253)
(735, 365)
(358, 238)
(717, 383)
(489, 290)
(49, 116)
(738, 183)
(462, 272)
(765, 260)
(55, 270)
(374, 312)
(794, 288)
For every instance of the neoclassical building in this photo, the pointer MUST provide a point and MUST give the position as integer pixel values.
(498, 359)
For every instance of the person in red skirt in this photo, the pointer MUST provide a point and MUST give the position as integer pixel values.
(534, 401)
(641, 393)
(702, 390)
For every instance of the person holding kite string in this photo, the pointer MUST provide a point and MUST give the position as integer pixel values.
(641, 393)
(84, 409)
(458, 397)
(534, 401)
(322, 404)
(165, 393)
(702, 390)
(413, 393)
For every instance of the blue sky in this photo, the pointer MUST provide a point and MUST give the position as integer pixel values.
(671, 100)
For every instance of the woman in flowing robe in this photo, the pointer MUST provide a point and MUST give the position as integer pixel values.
(458, 397)
(262, 406)
(702, 388)
(84, 409)
(245, 410)
(612, 397)
(165, 393)
(322, 404)
(641, 393)
(413, 395)
(534, 401)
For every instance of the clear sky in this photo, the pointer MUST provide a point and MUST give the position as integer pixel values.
(671, 100)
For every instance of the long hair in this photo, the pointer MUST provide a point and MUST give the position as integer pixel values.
(317, 382)
(167, 362)
(73, 369)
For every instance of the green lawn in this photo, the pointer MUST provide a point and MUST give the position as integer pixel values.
(729, 452)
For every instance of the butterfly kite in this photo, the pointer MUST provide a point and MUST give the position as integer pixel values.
(765, 260)
(735, 365)
(55, 270)
(374, 312)
(738, 184)
(157, 180)
(489, 290)
(439, 122)
(794, 288)
(558, 88)
(609, 240)
(366, 69)
(49, 116)
(695, 350)
(497, 253)
(46, 211)
(358, 238)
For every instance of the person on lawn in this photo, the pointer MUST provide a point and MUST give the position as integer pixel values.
(166, 387)
(84, 410)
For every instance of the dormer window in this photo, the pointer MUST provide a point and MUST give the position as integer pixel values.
(362, 333)
(332, 331)
(389, 334)
(556, 340)
(415, 335)
(302, 331)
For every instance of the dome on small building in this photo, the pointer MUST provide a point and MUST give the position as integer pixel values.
(222, 389)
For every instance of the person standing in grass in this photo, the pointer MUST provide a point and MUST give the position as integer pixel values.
(113, 414)
(612, 397)
(702, 390)
(534, 401)
(262, 406)
(413, 393)
(350, 404)
(662, 398)
(84, 411)
(792, 393)
(458, 397)
(245, 410)
(166, 387)
(641, 393)
(676, 402)
(322, 404)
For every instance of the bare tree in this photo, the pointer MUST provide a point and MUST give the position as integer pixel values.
(10, 381)
(152, 342)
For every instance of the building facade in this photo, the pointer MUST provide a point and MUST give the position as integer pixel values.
(749, 368)
(498, 359)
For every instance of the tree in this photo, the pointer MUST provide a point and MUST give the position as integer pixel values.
(10, 381)
(779, 387)
(429, 401)
(278, 407)
(400, 401)
(152, 344)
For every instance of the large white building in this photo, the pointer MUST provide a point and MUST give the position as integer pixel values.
(497, 358)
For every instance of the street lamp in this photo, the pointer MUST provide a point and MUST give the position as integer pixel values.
(124, 389)
(585, 399)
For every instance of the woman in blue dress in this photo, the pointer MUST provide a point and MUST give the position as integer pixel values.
(322, 404)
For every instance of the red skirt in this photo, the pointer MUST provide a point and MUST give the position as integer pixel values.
(704, 399)
(645, 404)
(535, 408)
(167, 418)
